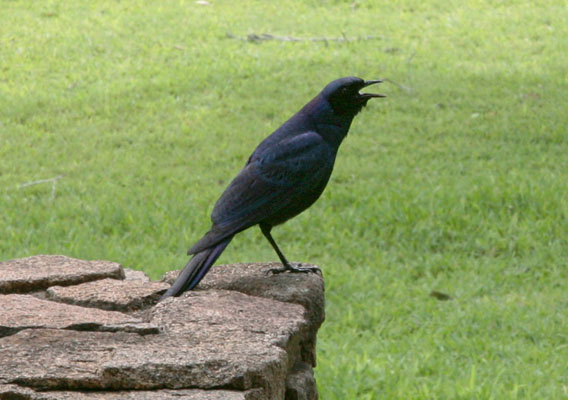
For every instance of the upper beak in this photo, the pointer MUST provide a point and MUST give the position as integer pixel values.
(369, 83)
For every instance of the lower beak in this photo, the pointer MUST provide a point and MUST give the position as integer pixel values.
(369, 95)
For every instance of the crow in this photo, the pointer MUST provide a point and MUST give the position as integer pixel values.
(285, 175)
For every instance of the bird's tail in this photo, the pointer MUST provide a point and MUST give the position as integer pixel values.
(196, 269)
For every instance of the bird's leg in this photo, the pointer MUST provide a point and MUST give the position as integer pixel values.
(286, 265)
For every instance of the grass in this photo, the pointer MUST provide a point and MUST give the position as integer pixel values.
(456, 183)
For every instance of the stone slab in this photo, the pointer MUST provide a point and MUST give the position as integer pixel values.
(15, 392)
(255, 280)
(20, 311)
(110, 294)
(135, 275)
(209, 340)
(245, 334)
(300, 383)
(59, 359)
(40, 272)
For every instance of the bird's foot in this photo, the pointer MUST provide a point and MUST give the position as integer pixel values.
(294, 268)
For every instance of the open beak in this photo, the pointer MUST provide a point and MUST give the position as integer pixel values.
(370, 95)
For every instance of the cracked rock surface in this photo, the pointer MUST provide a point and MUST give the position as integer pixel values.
(75, 329)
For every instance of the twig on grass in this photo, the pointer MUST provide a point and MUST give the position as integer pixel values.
(53, 182)
(253, 37)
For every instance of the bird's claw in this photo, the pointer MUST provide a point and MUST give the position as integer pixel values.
(294, 269)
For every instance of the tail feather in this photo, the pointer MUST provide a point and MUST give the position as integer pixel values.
(196, 269)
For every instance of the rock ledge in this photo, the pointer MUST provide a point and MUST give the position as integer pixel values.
(75, 329)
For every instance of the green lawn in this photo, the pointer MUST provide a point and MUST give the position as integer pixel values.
(456, 183)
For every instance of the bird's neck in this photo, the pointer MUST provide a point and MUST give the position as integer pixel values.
(331, 126)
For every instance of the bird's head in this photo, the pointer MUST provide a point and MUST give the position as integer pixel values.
(344, 97)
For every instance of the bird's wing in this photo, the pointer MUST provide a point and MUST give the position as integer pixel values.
(280, 182)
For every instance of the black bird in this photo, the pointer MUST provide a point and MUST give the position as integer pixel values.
(286, 174)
